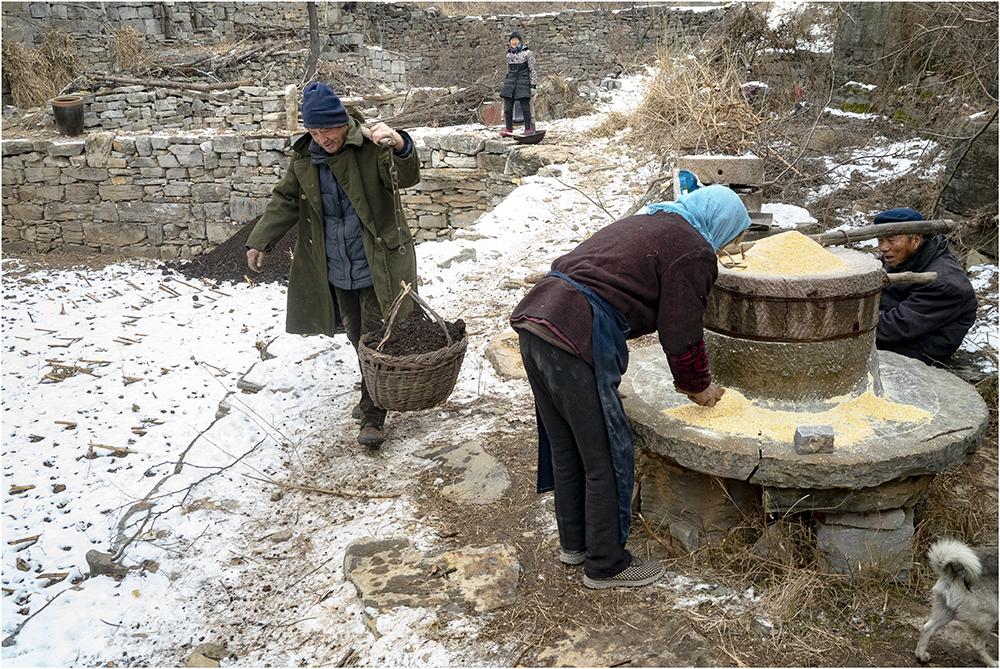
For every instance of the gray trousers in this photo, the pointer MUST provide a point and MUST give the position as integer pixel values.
(586, 495)
(361, 313)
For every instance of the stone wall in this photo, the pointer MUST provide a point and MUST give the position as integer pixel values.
(574, 43)
(173, 196)
(135, 108)
(462, 176)
(205, 22)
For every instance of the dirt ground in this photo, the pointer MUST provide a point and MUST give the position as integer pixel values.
(558, 622)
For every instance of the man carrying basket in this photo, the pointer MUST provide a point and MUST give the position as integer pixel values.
(354, 246)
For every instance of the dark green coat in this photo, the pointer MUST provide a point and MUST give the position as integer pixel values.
(362, 170)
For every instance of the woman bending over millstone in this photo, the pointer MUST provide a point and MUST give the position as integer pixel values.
(646, 273)
(522, 77)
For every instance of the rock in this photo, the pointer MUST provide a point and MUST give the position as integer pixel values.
(618, 645)
(852, 550)
(550, 171)
(113, 234)
(210, 192)
(249, 386)
(66, 148)
(504, 354)
(100, 564)
(58, 488)
(892, 519)
(892, 495)
(218, 232)
(119, 193)
(245, 209)
(392, 573)
(99, 145)
(526, 160)
(468, 145)
(481, 478)
(214, 651)
(227, 144)
(463, 255)
(281, 535)
(774, 545)
(813, 439)
(153, 212)
(695, 508)
(196, 659)
(223, 410)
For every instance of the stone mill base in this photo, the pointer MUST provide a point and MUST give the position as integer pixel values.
(856, 531)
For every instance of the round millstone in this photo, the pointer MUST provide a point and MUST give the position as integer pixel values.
(789, 370)
(896, 450)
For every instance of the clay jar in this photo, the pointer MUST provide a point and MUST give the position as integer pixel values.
(68, 112)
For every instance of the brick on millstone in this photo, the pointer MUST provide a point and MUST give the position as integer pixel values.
(814, 439)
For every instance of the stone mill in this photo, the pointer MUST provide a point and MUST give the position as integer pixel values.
(815, 420)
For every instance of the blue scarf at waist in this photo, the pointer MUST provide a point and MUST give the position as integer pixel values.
(610, 353)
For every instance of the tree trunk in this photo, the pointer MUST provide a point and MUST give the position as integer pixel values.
(313, 60)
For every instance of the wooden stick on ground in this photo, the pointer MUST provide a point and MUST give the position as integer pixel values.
(322, 491)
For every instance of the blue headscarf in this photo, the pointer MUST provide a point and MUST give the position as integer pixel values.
(716, 212)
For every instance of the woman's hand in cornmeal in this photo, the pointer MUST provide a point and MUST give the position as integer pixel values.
(706, 398)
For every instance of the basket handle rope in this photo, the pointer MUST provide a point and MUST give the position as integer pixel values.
(407, 291)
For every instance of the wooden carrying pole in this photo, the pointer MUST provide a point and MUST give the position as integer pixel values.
(835, 237)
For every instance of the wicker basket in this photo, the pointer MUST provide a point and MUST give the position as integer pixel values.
(410, 382)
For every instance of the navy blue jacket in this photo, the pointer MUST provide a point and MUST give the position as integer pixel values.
(927, 322)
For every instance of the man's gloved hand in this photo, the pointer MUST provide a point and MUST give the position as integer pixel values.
(706, 398)
(383, 134)
(255, 259)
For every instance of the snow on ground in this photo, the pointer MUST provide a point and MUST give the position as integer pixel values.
(879, 162)
(154, 365)
(833, 111)
(128, 357)
(984, 337)
(787, 216)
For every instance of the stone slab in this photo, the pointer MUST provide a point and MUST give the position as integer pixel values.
(892, 495)
(479, 477)
(957, 425)
(853, 550)
(714, 169)
(695, 509)
(504, 353)
(392, 573)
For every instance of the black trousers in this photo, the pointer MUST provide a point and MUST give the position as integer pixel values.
(586, 495)
(361, 314)
(508, 112)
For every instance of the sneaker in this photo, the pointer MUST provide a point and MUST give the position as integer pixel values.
(506, 133)
(371, 436)
(640, 572)
(356, 412)
(573, 558)
(528, 131)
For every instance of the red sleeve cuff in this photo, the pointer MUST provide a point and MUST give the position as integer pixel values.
(690, 368)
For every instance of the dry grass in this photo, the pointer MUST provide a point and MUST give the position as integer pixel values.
(557, 97)
(37, 75)
(697, 106)
(127, 44)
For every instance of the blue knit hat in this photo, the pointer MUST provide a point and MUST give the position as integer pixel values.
(898, 214)
(321, 108)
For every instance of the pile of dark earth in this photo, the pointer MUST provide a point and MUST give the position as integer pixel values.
(416, 334)
(228, 261)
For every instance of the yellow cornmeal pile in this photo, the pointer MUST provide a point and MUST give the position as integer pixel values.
(852, 418)
(790, 254)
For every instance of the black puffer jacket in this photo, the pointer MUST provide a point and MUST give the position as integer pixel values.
(521, 74)
(927, 322)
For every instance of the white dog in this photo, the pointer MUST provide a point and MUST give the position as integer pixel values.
(966, 590)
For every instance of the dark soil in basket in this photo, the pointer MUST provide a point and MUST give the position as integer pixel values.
(417, 334)
(228, 261)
